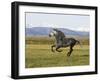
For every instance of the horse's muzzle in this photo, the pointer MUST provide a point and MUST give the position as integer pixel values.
(49, 35)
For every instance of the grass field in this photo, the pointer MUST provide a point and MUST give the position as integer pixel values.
(39, 54)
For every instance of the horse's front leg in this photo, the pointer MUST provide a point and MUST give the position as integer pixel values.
(58, 48)
(52, 48)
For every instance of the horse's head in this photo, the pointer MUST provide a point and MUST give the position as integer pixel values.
(57, 33)
(53, 33)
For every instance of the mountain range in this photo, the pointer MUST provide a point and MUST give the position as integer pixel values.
(44, 31)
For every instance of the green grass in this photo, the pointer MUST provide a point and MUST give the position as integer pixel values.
(40, 55)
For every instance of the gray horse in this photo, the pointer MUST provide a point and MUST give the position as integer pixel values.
(62, 41)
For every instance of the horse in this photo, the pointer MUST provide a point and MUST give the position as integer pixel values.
(62, 41)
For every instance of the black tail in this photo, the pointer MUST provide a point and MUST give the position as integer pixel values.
(78, 42)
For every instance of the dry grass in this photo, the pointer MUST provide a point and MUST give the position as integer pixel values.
(41, 56)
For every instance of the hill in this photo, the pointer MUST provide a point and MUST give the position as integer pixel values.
(44, 31)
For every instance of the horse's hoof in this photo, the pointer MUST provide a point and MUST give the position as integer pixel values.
(68, 54)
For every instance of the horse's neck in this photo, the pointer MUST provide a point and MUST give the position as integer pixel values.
(61, 34)
(58, 39)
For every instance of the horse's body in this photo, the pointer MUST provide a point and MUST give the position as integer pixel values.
(62, 41)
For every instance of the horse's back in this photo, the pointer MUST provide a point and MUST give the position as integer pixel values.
(69, 41)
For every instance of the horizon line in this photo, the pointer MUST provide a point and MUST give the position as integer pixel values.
(57, 28)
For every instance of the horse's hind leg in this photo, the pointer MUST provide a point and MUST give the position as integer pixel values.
(52, 48)
(71, 49)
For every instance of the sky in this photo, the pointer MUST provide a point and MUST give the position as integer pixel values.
(70, 21)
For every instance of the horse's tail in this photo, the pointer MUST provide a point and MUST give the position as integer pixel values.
(78, 42)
